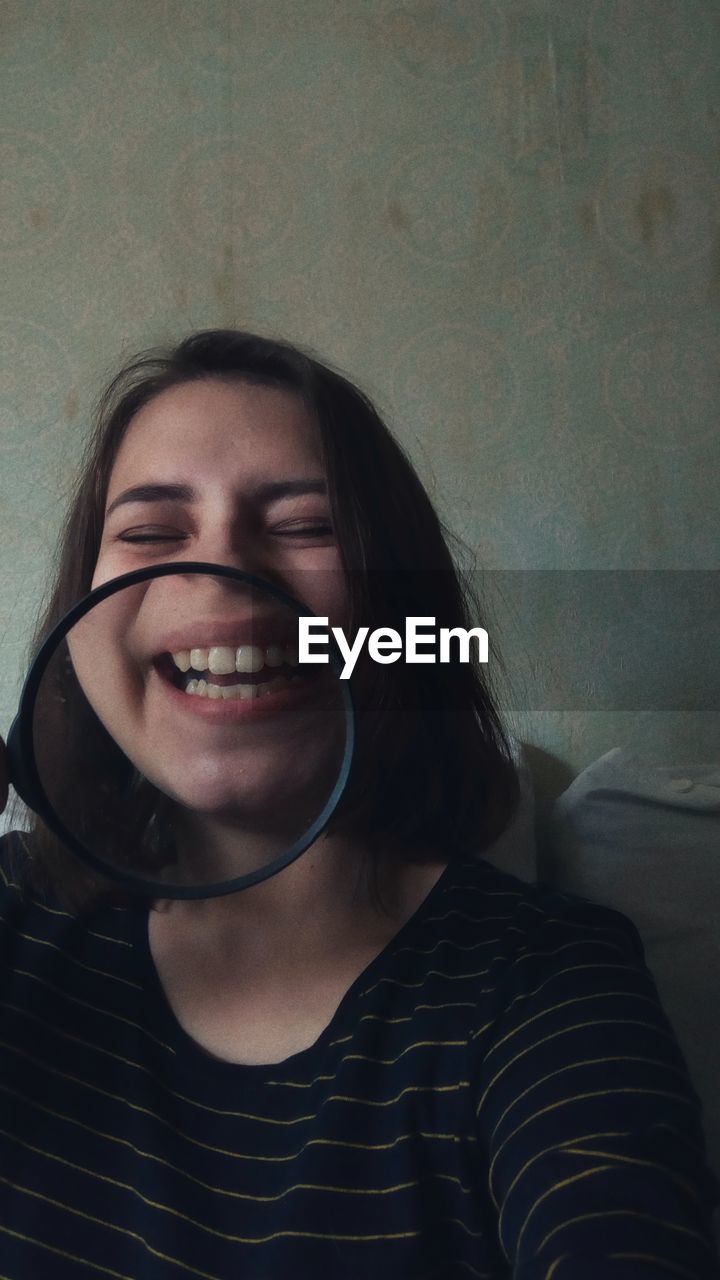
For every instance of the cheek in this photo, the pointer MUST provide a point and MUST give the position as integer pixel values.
(104, 569)
(115, 559)
(326, 592)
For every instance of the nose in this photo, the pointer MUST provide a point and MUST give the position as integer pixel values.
(226, 545)
(203, 594)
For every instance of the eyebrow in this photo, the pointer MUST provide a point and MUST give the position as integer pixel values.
(272, 491)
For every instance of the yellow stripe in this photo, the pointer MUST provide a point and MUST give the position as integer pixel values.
(617, 1158)
(577, 1026)
(452, 1177)
(578, 968)
(462, 915)
(480, 1275)
(53, 911)
(564, 1004)
(102, 973)
(411, 1088)
(613, 1213)
(110, 1226)
(388, 1022)
(287, 1159)
(558, 1186)
(580, 1097)
(62, 1253)
(67, 915)
(135, 1106)
(96, 1008)
(234, 1195)
(571, 1066)
(360, 1057)
(431, 973)
(583, 927)
(572, 1150)
(449, 942)
(180, 1097)
(449, 1004)
(564, 946)
(557, 1146)
(383, 1146)
(301, 1084)
(205, 1275)
(527, 995)
(106, 937)
(417, 1044)
(456, 1222)
(67, 1035)
(554, 1266)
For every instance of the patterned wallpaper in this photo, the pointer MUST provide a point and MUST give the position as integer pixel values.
(500, 216)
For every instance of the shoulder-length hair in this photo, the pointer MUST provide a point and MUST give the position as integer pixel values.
(433, 767)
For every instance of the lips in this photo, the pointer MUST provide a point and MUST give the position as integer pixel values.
(262, 631)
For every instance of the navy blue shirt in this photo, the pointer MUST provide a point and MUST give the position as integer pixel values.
(499, 1094)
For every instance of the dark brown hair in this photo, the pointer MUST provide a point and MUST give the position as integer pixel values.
(433, 766)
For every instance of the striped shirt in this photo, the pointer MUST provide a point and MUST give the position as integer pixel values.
(499, 1094)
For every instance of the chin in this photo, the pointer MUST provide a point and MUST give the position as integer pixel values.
(263, 803)
(218, 795)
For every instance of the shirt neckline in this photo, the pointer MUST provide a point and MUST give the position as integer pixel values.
(189, 1057)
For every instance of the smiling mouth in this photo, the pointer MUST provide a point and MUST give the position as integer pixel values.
(258, 673)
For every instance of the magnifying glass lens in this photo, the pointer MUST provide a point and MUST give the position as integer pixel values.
(177, 739)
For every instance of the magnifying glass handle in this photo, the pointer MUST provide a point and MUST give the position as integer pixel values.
(17, 773)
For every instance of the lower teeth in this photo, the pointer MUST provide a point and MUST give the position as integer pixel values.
(243, 692)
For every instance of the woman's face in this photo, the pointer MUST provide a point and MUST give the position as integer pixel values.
(232, 474)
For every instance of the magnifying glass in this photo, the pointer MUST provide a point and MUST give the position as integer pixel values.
(170, 737)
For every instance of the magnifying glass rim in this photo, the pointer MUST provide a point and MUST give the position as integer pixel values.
(37, 796)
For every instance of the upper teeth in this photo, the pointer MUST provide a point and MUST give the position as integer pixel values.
(222, 661)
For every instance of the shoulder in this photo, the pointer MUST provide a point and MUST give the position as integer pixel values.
(14, 869)
(65, 978)
(579, 1087)
(539, 916)
(549, 945)
(29, 913)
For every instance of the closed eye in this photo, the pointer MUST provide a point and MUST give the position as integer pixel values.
(150, 537)
(306, 531)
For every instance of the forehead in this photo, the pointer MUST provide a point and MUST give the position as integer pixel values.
(213, 423)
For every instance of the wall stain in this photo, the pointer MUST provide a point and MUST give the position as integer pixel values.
(714, 281)
(587, 216)
(181, 296)
(398, 216)
(71, 406)
(40, 217)
(656, 205)
(225, 285)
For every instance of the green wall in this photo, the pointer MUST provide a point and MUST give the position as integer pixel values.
(500, 216)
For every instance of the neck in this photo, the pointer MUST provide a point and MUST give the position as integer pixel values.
(325, 890)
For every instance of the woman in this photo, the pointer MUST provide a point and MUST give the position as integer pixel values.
(389, 1058)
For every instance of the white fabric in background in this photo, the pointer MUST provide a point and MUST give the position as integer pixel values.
(645, 839)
